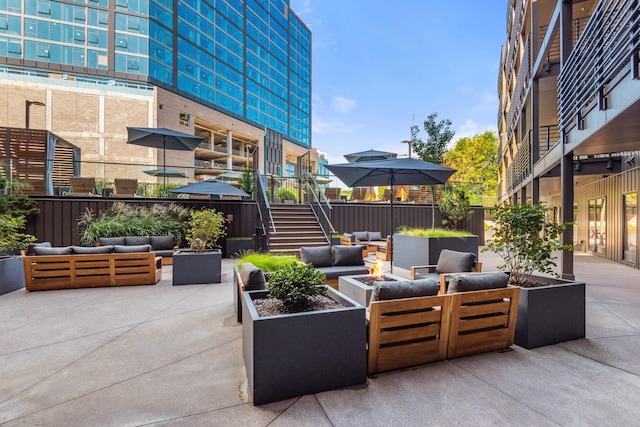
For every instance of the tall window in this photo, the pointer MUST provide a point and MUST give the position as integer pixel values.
(598, 225)
(629, 238)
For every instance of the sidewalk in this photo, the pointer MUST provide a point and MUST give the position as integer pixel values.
(171, 355)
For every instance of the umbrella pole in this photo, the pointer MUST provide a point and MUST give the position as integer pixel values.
(164, 161)
(393, 196)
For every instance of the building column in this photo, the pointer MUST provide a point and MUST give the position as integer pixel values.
(566, 180)
(566, 169)
(523, 195)
(535, 191)
(229, 150)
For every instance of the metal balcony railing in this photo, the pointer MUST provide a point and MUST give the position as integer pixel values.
(609, 40)
(548, 137)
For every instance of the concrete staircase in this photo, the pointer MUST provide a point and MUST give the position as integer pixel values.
(296, 226)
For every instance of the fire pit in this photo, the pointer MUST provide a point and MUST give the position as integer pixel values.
(370, 279)
(359, 287)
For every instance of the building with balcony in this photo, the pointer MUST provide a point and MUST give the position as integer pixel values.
(569, 102)
(237, 73)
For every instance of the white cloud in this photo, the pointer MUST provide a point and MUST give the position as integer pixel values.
(342, 104)
(471, 128)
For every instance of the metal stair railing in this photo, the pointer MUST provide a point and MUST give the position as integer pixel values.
(320, 206)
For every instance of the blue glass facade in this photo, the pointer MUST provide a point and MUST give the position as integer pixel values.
(250, 59)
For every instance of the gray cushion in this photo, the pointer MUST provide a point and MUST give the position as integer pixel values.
(350, 236)
(107, 249)
(317, 256)
(343, 270)
(103, 241)
(363, 236)
(44, 250)
(455, 262)
(477, 282)
(162, 242)
(33, 245)
(375, 235)
(252, 277)
(119, 249)
(347, 255)
(136, 240)
(387, 290)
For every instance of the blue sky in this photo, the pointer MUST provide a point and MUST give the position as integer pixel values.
(377, 64)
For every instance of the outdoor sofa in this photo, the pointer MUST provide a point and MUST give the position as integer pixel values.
(88, 267)
(371, 240)
(333, 261)
(163, 246)
(411, 323)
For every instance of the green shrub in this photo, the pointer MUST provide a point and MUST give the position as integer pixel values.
(431, 232)
(128, 220)
(294, 284)
(526, 241)
(267, 262)
(285, 194)
(454, 207)
(11, 237)
(205, 227)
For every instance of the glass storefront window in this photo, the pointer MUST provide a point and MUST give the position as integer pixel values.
(630, 235)
(598, 226)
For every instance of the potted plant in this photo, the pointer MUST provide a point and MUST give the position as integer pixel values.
(323, 349)
(12, 239)
(202, 263)
(285, 195)
(267, 262)
(422, 246)
(550, 310)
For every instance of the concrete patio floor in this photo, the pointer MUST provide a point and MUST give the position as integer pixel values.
(171, 355)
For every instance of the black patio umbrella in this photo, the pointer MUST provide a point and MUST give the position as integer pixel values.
(166, 139)
(369, 155)
(394, 171)
(211, 187)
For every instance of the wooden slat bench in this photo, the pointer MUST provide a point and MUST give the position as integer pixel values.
(482, 321)
(48, 272)
(407, 332)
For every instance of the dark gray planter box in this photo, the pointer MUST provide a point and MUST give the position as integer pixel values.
(234, 247)
(191, 268)
(415, 250)
(550, 314)
(11, 274)
(237, 296)
(303, 353)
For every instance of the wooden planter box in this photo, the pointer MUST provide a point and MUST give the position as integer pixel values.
(550, 314)
(303, 353)
(191, 268)
(416, 250)
(11, 274)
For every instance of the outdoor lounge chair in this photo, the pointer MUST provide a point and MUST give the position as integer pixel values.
(126, 187)
(449, 262)
(82, 187)
(332, 193)
(414, 196)
(359, 194)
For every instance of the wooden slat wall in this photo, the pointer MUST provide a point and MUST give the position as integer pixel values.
(58, 218)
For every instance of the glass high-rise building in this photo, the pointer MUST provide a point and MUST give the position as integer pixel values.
(247, 59)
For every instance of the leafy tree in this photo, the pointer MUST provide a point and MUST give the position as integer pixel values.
(526, 241)
(206, 226)
(246, 180)
(454, 207)
(438, 136)
(476, 160)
